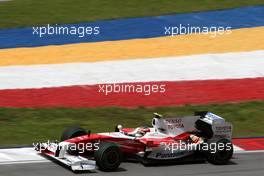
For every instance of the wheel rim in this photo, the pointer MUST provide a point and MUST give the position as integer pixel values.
(224, 154)
(112, 157)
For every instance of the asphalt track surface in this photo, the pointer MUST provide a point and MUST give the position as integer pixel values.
(242, 164)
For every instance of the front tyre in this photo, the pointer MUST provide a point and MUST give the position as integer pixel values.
(72, 133)
(219, 152)
(108, 157)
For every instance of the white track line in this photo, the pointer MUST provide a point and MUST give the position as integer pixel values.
(20, 155)
(249, 151)
(198, 67)
(5, 156)
(24, 162)
(237, 149)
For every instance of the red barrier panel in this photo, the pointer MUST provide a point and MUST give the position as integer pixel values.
(177, 93)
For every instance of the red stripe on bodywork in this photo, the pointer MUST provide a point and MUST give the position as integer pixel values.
(177, 93)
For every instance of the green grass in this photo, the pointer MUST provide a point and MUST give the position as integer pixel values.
(18, 13)
(24, 126)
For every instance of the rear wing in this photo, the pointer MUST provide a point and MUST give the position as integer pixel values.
(210, 125)
(213, 126)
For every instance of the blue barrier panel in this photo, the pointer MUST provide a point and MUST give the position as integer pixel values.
(146, 27)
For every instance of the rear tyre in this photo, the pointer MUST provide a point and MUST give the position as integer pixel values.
(221, 153)
(108, 157)
(72, 133)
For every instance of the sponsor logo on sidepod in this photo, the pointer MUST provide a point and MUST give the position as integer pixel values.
(170, 155)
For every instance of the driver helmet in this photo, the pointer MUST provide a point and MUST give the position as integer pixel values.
(141, 131)
(157, 115)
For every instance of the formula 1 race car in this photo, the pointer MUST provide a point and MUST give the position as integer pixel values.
(203, 136)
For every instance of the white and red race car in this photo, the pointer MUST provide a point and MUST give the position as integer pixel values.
(203, 136)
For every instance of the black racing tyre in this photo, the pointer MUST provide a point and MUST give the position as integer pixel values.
(108, 157)
(146, 162)
(220, 153)
(72, 133)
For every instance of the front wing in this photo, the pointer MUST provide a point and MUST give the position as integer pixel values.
(58, 153)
